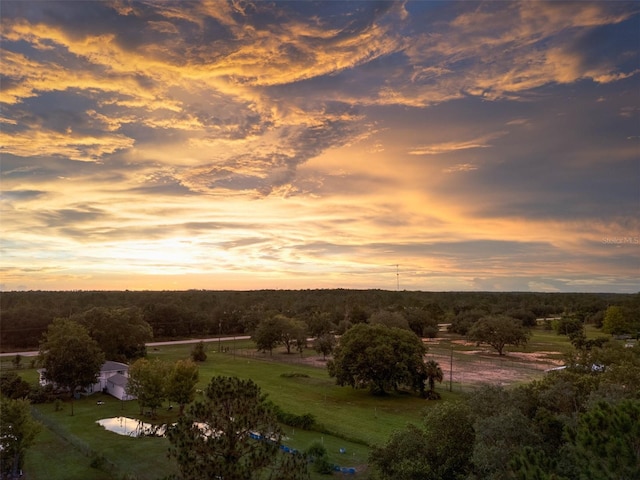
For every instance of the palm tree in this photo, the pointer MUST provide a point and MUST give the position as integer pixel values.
(433, 373)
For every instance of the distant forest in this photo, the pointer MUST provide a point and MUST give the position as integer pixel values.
(199, 313)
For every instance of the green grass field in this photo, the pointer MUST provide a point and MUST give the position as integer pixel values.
(350, 419)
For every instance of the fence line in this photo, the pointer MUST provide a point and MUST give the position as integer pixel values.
(75, 441)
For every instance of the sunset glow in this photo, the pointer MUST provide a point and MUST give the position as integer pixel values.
(245, 145)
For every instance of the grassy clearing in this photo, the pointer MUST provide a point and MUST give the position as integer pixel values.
(53, 458)
(346, 413)
(145, 458)
(350, 419)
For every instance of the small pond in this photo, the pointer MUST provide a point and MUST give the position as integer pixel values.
(132, 427)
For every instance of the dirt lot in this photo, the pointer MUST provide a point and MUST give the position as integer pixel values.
(482, 365)
(471, 367)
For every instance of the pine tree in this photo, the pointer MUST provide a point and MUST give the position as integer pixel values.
(232, 434)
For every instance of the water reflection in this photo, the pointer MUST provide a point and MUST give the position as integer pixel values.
(132, 427)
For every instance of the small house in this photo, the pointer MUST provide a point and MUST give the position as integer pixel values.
(112, 379)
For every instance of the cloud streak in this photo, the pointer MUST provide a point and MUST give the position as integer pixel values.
(292, 144)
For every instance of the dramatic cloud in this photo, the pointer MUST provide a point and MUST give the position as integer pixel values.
(215, 144)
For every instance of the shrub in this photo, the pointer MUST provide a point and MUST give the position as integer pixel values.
(305, 421)
(40, 394)
(317, 454)
(198, 353)
(294, 375)
(98, 461)
(13, 386)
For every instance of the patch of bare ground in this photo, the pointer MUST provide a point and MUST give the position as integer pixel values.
(470, 367)
(315, 361)
(474, 367)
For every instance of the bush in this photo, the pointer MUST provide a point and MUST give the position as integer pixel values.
(13, 386)
(430, 331)
(198, 353)
(432, 395)
(568, 326)
(316, 450)
(40, 394)
(305, 421)
(317, 454)
(98, 461)
(294, 375)
(323, 466)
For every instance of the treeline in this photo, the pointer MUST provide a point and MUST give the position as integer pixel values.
(197, 313)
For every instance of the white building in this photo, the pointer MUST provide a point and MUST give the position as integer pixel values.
(113, 379)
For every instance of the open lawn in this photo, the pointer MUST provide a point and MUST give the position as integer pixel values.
(345, 412)
(349, 419)
(84, 440)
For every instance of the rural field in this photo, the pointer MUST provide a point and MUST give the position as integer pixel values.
(350, 421)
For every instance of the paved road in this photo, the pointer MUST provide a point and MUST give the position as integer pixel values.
(150, 344)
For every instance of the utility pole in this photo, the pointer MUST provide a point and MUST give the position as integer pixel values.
(398, 277)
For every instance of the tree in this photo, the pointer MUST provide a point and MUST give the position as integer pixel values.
(389, 319)
(181, 383)
(325, 344)
(17, 361)
(404, 457)
(13, 386)
(499, 438)
(292, 333)
(615, 321)
(568, 326)
(317, 454)
(231, 434)
(267, 334)
(439, 449)
(499, 331)
(607, 441)
(319, 323)
(424, 321)
(18, 431)
(120, 332)
(378, 357)
(433, 373)
(69, 356)
(147, 382)
(533, 463)
(199, 353)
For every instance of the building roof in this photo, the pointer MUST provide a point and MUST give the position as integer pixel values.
(110, 366)
(118, 379)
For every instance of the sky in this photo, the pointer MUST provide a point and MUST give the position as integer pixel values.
(244, 145)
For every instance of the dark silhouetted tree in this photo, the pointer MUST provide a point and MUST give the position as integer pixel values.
(378, 357)
(121, 333)
(434, 374)
(216, 436)
(148, 382)
(17, 433)
(181, 383)
(607, 441)
(268, 334)
(499, 331)
(69, 356)
(199, 353)
(325, 344)
(439, 449)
